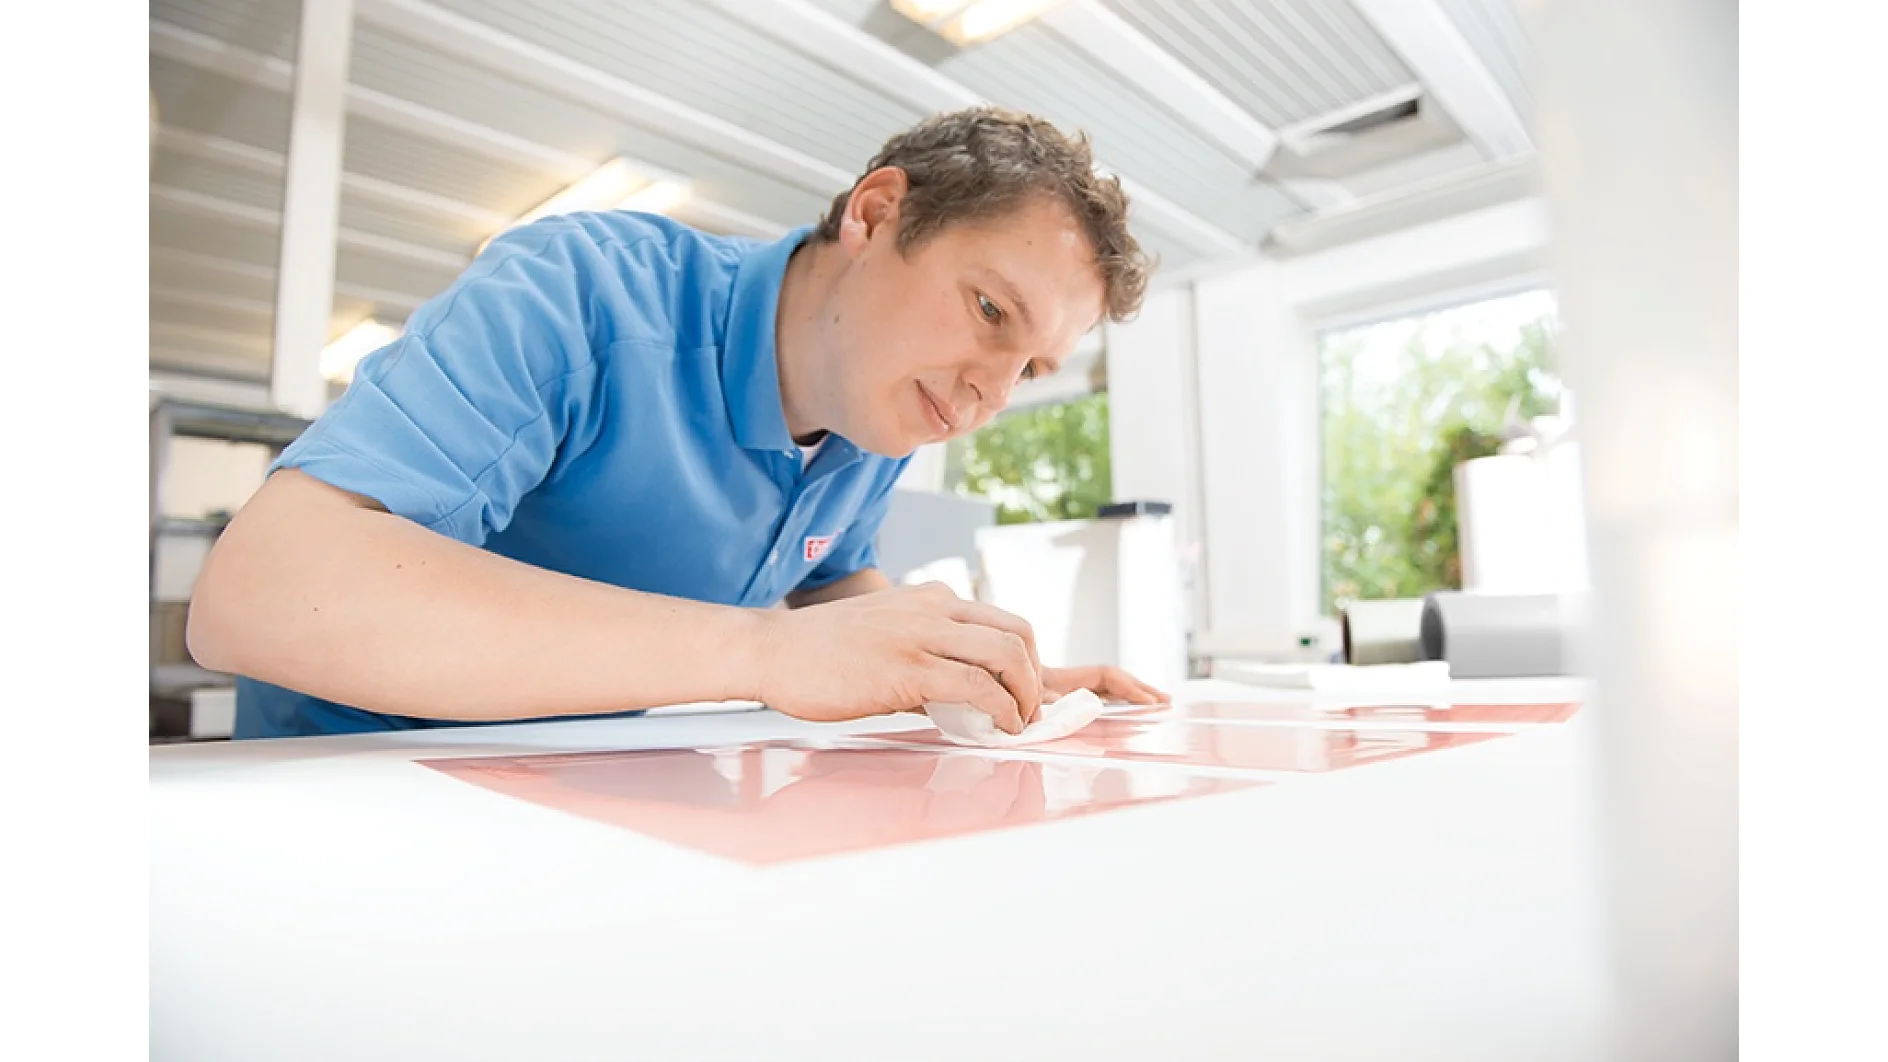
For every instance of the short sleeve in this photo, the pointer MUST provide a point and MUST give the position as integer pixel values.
(857, 548)
(454, 422)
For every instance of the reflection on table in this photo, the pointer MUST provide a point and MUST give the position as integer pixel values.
(779, 801)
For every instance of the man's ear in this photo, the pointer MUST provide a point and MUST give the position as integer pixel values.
(873, 207)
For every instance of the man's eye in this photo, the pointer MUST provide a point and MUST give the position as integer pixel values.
(990, 310)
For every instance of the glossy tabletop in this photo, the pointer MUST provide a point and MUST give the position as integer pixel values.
(1247, 873)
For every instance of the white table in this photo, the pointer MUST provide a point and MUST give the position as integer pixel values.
(330, 898)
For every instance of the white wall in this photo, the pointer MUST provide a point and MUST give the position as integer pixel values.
(1153, 423)
(926, 470)
(1259, 420)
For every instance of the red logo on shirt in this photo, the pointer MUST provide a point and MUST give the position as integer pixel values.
(817, 545)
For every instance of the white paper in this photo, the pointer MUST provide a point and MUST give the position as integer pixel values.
(1338, 678)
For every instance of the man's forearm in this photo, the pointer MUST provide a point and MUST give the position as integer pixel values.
(864, 581)
(349, 603)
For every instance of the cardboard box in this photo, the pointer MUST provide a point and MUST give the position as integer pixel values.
(168, 620)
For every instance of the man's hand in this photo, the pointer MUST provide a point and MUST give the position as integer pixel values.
(1108, 683)
(892, 651)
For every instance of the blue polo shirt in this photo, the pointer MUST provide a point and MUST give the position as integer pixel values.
(598, 395)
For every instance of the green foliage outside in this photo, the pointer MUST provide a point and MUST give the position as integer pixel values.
(1404, 403)
(1046, 463)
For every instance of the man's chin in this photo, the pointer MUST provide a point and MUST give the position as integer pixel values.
(896, 451)
(893, 446)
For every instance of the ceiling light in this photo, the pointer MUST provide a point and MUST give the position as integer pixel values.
(602, 189)
(964, 23)
(339, 357)
(656, 197)
(928, 11)
(617, 184)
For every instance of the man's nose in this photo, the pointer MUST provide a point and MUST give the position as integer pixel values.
(990, 388)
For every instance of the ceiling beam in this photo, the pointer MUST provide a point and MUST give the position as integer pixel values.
(876, 65)
(267, 220)
(1490, 184)
(561, 75)
(268, 163)
(1436, 52)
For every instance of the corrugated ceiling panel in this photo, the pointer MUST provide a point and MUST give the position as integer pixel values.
(265, 26)
(1034, 69)
(404, 158)
(407, 70)
(715, 64)
(400, 223)
(249, 188)
(176, 170)
(191, 232)
(188, 230)
(370, 270)
(169, 309)
(203, 102)
(198, 339)
(1283, 61)
(170, 272)
(1493, 30)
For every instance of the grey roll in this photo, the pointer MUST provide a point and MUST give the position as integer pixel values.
(1495, 635)
(1383, 632)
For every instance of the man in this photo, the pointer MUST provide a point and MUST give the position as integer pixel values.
(581, 479)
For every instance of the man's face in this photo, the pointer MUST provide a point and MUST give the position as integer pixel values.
(929, 344)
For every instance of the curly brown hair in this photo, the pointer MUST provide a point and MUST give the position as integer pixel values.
(984, 162)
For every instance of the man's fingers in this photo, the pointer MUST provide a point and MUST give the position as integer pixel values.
(990, 616)
(999, 653)
(1112, 682)
(1134, 690)
(953, 680)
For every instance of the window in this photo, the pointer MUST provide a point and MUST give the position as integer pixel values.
(1404, 402)
(1048, 462)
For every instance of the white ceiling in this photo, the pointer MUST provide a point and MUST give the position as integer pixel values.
(465, 113)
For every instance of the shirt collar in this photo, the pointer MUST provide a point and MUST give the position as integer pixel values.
(750, 370)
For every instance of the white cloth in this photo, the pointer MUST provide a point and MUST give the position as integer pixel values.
(964, 725)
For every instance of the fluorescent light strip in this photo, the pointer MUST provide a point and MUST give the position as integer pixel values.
(964, 23)
(656, 197)
(339, 358)
(615, 185)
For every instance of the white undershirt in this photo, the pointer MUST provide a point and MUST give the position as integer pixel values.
(807, 453)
